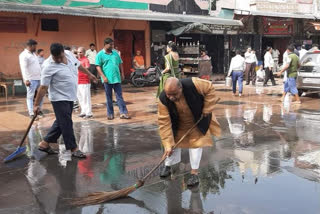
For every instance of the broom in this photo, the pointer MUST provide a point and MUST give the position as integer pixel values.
(101, 197)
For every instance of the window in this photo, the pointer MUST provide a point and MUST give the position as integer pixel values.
(13, 25)
(49, 25)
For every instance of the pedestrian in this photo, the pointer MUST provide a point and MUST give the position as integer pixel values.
(205, 65)
(40, 54)
(31, 72)
(91, 54)
(181, 104)
(84, 92)
(251, 62)
(291, 66)
(268, 65)
(275, 56)
(171, 65)
(302, 52)
(236, 69)
(110, 68)
(60, 76)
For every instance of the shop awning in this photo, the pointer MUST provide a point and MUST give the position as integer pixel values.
(199, 28)
(282, 15)
(101, 12)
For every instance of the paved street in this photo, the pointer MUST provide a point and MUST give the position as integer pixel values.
(267, 160)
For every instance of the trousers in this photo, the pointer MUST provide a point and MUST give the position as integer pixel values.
(84, 97)
(194, 155)
(63, 125)
(31, 91)
(251, 73)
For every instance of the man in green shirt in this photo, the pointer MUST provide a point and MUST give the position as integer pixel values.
(110, 68)
(291, 66)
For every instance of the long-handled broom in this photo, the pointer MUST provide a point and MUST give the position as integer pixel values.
(101, 197)
(21, 149)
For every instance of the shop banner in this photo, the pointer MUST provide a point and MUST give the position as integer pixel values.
(276, 26)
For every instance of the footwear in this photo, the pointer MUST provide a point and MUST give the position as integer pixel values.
(247, 83)
(82, 115)
(48, 150)
(31, 117)
(111, 117)
(165, 172)
(78, 154)
(233, 94)
(240, 95)
(40, 114)
(125, 116)
(296, 102)
(193, 180)
(88, 116)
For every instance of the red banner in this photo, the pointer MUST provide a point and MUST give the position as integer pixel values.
(276, 26)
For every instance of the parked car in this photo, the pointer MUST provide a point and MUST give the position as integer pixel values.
(309, 73)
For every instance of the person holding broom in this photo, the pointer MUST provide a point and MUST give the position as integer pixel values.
(182, 104)
(60, 76)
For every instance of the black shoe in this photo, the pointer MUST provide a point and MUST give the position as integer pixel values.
(193, 181)
(111, 117)
(40, 114)
(88, 116)
(82, 115)
(247, 83)
(165, 172)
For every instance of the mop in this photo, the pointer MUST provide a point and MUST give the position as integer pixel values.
(102, 197)
(21, 149)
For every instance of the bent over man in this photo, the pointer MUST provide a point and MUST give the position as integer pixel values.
(181, 105)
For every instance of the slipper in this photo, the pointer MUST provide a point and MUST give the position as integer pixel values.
(78, 154)
(125, 116)
(48, 150)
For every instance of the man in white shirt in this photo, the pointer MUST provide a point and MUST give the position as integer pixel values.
(275, 56)
(302, 52)
(251, 62)
(31, 70)
(91, 55)
(268, 65)
(236, 69)
(60, 76)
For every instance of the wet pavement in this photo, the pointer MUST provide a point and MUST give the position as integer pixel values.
(266, 161)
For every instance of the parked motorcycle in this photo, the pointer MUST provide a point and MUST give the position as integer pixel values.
(142, 77)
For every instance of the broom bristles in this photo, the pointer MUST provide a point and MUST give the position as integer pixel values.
(102, 197)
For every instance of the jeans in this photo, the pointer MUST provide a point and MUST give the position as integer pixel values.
(118, 91)
(237, 76)
(31, 90)
(62, 125)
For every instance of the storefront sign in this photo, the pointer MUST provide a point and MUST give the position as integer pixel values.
(224, 29)
(276, 26)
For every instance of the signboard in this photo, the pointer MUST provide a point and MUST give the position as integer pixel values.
(277, 26)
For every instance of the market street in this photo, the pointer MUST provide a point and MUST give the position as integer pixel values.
(267, 160)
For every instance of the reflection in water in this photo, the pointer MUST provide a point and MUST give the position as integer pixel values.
(267, 113)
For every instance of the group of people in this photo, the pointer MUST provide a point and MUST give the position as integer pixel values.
(182, 102)
(66, 78)
(241, 67)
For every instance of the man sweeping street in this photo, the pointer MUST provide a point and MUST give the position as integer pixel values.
(182, 103)
(60, 76)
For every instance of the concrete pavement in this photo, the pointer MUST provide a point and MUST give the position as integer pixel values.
(265, 162)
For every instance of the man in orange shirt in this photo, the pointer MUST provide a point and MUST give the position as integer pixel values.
(138, 61)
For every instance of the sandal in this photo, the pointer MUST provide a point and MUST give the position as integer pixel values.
(125, 116)
(78, 154)
(48, 150)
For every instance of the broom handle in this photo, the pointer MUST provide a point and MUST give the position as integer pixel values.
(28, 129)
(175, 146)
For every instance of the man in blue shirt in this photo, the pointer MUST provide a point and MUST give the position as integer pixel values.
(110, 68)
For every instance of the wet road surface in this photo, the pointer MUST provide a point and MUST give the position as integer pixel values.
(267, 161)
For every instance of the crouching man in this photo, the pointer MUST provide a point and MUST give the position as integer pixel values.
(181, 105)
